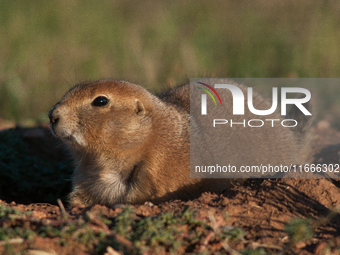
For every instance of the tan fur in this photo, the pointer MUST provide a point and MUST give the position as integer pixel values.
(135, 149)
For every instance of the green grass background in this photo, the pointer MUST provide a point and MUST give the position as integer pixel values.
(48, 46)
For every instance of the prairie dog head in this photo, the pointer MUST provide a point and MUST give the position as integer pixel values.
(103, 116)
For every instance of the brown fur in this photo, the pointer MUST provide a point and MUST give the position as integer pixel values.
(134, 149)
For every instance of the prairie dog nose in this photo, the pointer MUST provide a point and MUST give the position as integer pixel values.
(53, 115)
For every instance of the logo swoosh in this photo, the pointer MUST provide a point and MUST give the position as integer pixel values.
(212, 90)
(208, 94)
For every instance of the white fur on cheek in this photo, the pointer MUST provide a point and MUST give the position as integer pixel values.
(80, 139)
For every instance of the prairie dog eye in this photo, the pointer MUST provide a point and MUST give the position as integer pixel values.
(100, 101)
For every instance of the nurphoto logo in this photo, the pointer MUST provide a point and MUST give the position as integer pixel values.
(239, 103)
(238, 99)
(256, 127)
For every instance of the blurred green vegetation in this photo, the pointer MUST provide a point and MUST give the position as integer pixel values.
(48, 46)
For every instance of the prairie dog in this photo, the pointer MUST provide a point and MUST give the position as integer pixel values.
(129, 145)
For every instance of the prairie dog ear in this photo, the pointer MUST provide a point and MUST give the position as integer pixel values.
(139, 107)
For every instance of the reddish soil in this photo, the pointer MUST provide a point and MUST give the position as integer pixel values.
(261, 208)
